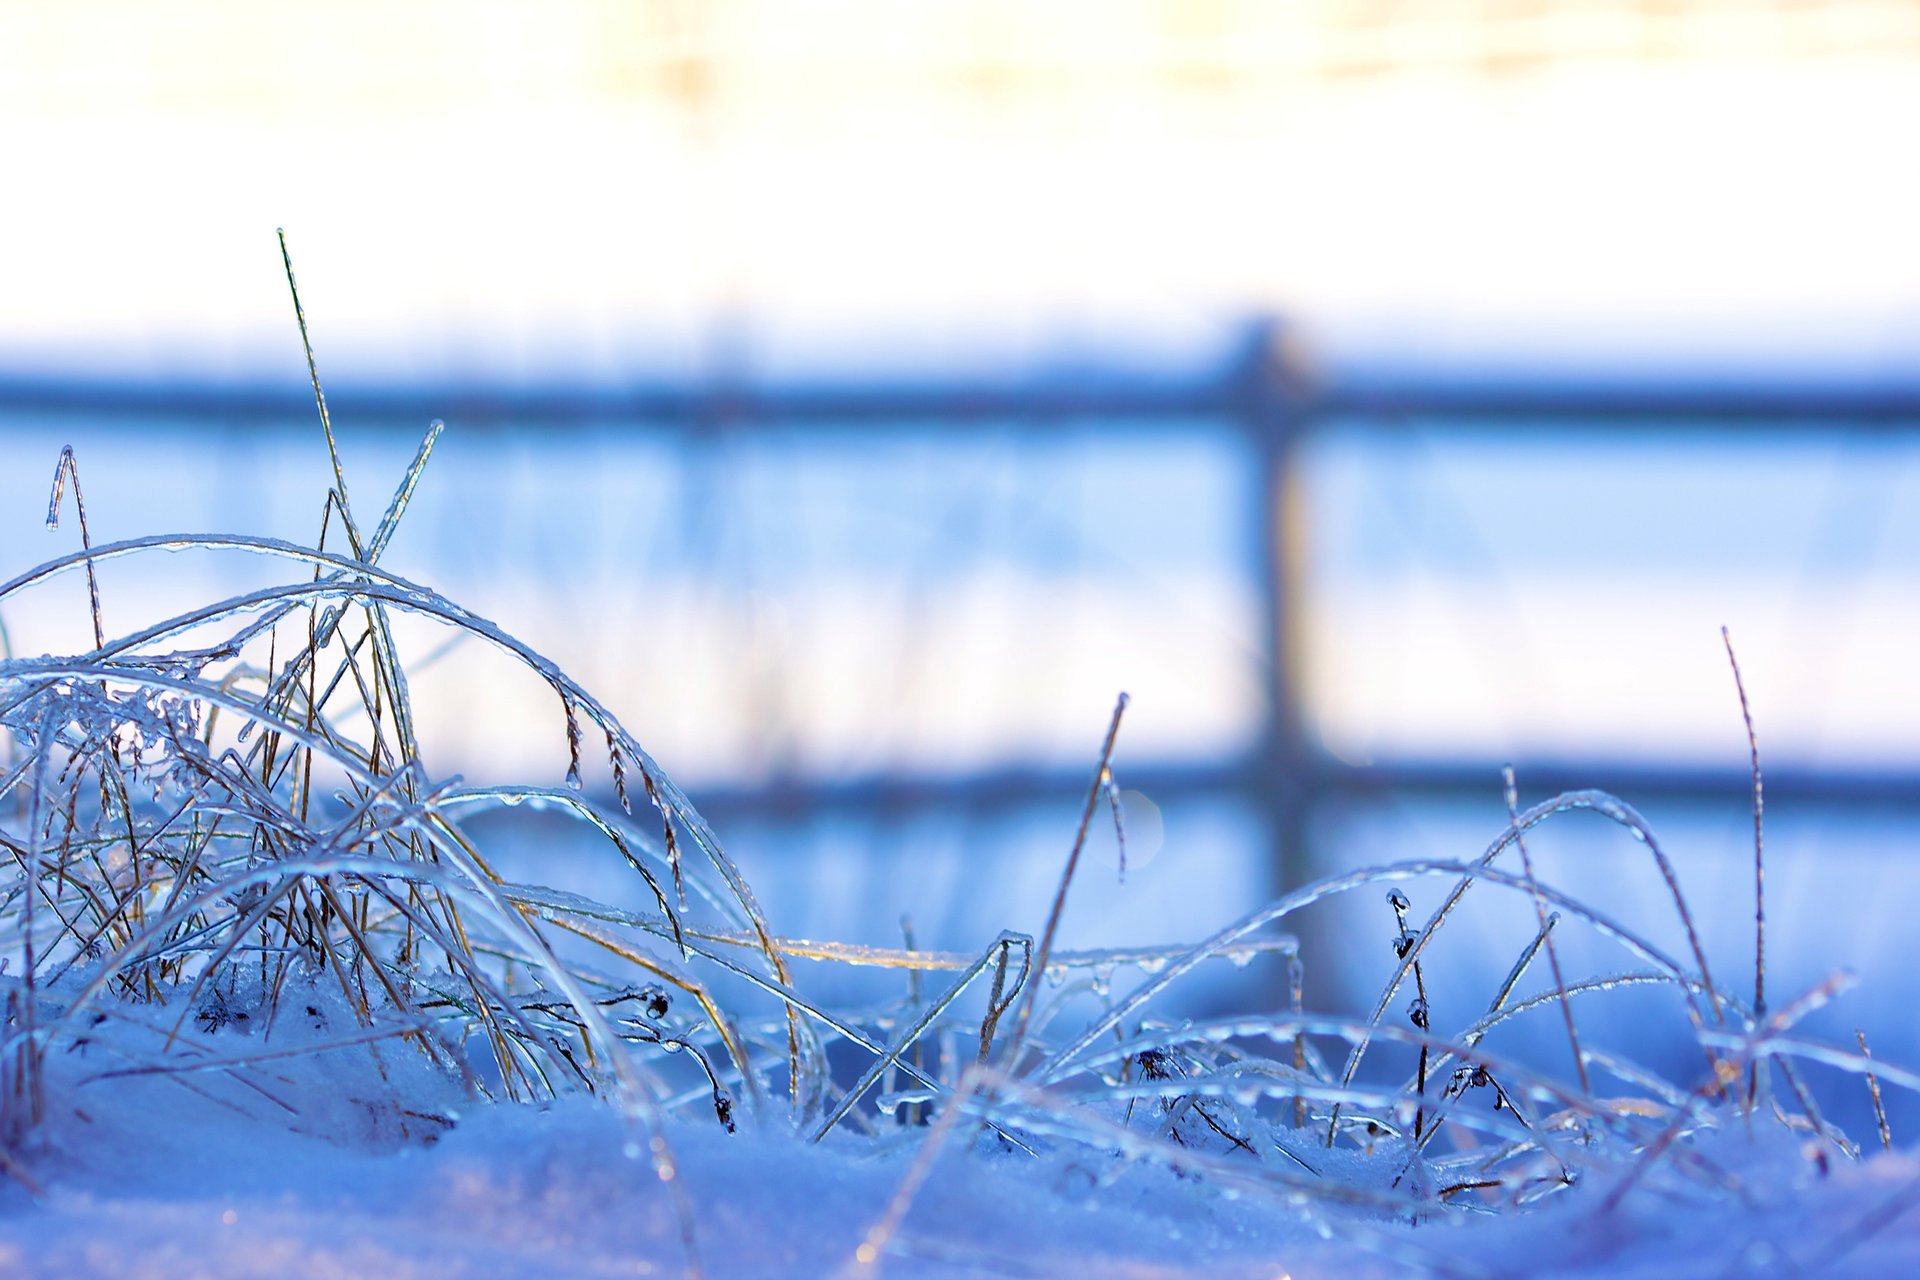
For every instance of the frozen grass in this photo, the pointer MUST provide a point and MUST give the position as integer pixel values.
(225, 866)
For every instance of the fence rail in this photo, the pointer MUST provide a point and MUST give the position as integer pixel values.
(1285, 776)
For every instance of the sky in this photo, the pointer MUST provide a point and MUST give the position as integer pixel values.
(594, 189)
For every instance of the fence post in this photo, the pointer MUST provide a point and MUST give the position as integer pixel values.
(1281, 782)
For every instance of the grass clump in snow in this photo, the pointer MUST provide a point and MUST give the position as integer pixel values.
(221, 854)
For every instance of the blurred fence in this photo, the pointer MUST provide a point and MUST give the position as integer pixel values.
(1272, 409)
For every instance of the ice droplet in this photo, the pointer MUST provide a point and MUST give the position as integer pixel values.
(888, 1103)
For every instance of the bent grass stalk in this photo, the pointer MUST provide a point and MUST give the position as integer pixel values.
(1759, 857)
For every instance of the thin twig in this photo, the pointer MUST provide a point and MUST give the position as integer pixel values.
(320, 400)
(1759, 840)
(1759, 866)
(1540, 909)
(62, 470)
(1101, 777)
(1873, 1087)
(1420, 1014)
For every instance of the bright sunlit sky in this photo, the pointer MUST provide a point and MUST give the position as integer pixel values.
(552, 190)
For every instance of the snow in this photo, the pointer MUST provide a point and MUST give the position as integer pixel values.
(314, 1165)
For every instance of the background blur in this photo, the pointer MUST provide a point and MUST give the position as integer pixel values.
(860, 395)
